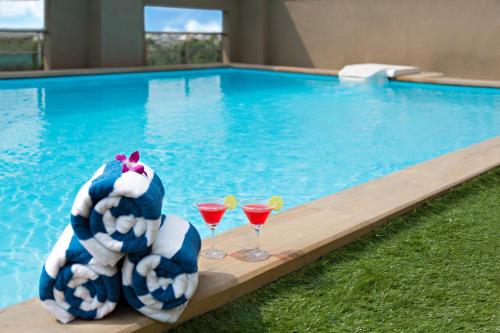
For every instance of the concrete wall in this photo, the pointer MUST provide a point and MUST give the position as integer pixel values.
(66, 43)
(458, 37)
(110, 33)
(252, 33)
(118, 33)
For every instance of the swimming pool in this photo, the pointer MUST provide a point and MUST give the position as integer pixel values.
(211, 133)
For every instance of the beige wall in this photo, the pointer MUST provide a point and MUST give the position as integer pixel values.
(110, 33)
(117, 39)
(457, 37)
(67, 39)
(94, 34)
(251, 36)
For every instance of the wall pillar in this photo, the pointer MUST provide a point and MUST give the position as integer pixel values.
(117, 37)
(66, 41)
(226, 38)
(253, 31)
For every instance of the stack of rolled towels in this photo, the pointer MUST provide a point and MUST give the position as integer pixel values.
(119, 244)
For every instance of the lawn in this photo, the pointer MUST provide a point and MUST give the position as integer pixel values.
(435, 269)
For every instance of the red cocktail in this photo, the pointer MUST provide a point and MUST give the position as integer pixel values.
(212, 210)
(257, 212)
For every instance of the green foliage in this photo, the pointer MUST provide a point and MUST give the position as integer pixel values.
(189, 51)
(16, 44)
(436, 269)
(19, 53)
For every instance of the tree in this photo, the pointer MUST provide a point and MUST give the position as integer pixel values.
(183, 49)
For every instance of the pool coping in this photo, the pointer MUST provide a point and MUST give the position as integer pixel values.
(423, 77)
(333, 221)
(104, 70)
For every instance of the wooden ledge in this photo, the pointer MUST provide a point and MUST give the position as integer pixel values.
(295, 238)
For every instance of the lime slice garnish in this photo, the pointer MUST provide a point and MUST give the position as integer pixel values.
(276, 203)
(230, 202)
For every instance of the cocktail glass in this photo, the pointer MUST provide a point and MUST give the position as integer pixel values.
(257, 212)
(212, 210)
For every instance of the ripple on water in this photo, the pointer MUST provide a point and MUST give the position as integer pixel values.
(211, 133)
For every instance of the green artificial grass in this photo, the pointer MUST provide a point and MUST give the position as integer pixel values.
(436, 269)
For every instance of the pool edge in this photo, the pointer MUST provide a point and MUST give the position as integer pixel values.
(105, 70)
(334, 221)
(423, 77)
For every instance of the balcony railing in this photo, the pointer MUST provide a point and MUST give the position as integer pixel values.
(21, 49)
(168, 48)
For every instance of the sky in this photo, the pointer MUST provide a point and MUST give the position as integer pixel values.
(180, 19)
(25, 14)
(28, 14)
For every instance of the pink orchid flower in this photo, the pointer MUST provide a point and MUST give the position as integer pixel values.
(130, 164)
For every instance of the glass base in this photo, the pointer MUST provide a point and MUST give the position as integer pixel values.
(213, 253)
(256, 255)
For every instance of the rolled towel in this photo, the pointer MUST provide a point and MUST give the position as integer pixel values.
(118, 211)
(73, 284)
(160, 282)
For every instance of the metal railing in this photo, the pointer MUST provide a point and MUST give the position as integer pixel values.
(168, 48)
(21, 49)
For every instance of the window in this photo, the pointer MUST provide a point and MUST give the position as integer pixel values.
(182, 36)
(21, 34)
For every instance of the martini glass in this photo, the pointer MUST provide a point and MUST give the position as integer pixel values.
(257, 212)
(212, 210)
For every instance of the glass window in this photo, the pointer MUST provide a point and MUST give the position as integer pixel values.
(21, 34)
(182, 36)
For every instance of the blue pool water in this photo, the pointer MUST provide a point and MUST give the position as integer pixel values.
(211, 133)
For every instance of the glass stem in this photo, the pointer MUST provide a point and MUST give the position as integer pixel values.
(212, 228)
(257, 241)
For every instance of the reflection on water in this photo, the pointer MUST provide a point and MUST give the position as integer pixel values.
(211, 133)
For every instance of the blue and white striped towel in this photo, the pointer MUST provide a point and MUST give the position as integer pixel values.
(116, 213)
(160, 282)
(73, 284)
